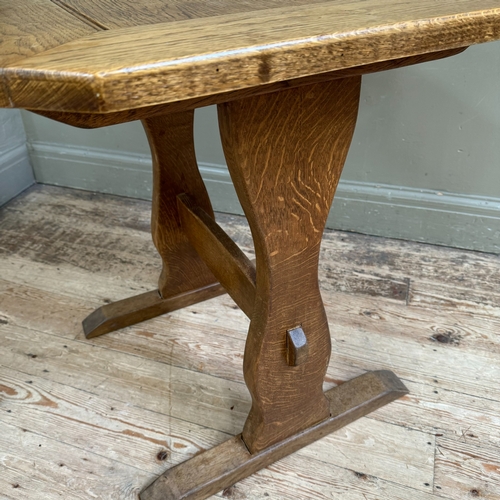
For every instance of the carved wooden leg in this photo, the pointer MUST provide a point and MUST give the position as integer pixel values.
(184, 279)
(285, 152)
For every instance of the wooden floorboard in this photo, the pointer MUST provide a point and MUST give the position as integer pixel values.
(100, 418)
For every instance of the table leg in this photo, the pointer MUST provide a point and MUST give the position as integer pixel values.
(285, 152)
(184, 279)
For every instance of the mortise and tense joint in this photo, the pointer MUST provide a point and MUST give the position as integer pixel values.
(296, 346)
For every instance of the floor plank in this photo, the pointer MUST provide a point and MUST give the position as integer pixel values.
(89, 418)
(34, 467)
(465, 470)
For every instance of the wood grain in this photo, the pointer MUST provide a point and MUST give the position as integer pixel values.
(54, 469)
(114, 14)
(65, 408)
(223, 257)
(222, 466)
(285, 152)
(92, 120)
(132, 67)
(34, 26)
(184, 279)
(55, 223)
(51, 278)
(465, 470)
(186, 395)
(447, 404)
(126, 312)
(80, 15)
(175, 171)
(392, 452)
(30, 27)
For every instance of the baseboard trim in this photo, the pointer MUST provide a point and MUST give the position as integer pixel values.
(450, 219)
(16, 173)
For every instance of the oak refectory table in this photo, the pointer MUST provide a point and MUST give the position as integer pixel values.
(286, 78)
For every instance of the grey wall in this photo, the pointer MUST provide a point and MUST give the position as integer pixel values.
(424, 164)
(15, 169)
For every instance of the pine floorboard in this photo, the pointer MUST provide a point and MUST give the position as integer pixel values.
(101, 418)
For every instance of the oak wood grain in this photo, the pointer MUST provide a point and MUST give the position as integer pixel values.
(93, 120)
(285, 152)
(113, 14)
(132, 67)
(184, 279)
(222, 466)
(136, 309)
(175, 171)
(30, 27)
(33, 26)
(227, 262)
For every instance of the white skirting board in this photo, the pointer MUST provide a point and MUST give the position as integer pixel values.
(15, 172)
(450, 219)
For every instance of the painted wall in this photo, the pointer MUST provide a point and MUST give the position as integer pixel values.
(15, 169)
(424, 164)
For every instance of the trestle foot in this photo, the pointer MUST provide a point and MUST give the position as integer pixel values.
(222, 466)
(141, 307)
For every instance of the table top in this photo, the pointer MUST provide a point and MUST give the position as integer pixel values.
(101, 56)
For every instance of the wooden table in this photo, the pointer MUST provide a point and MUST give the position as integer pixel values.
(286, 78)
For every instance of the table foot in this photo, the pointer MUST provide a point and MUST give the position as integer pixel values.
(224, 465)
(141, 307)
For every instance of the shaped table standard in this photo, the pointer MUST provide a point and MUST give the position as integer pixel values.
(286, 78)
